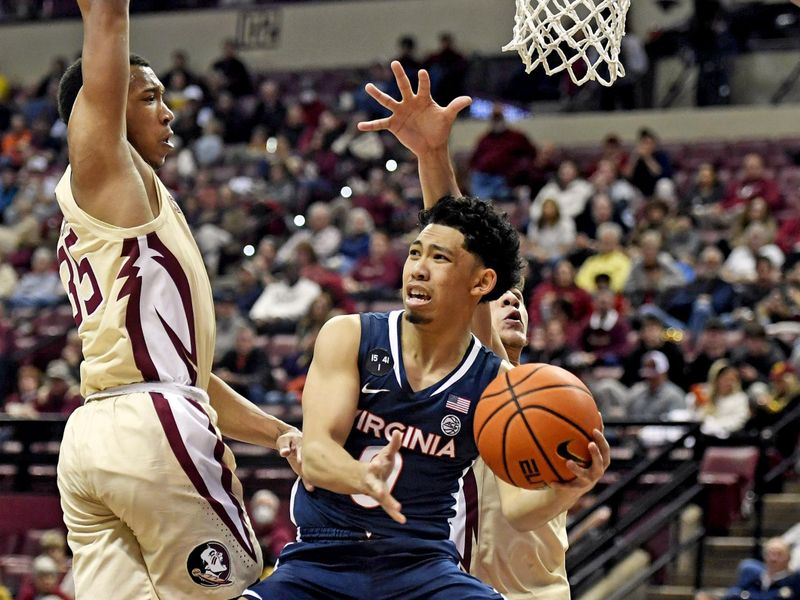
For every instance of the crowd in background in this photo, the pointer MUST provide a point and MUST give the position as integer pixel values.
(657, 273)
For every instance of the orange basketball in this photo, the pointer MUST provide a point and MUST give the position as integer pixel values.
(531, 420)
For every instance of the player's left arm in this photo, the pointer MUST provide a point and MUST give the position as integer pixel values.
(526, 510)
(240, 419)
(423, 127)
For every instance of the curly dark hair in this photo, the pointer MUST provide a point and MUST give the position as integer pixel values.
(487, 234)
(72, 81)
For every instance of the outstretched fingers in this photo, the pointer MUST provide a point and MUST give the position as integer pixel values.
(458, 104)
(381, 97)
(403, 83)
(424, 86)
(376, 125)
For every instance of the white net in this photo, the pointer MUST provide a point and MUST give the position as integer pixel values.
(582, 37)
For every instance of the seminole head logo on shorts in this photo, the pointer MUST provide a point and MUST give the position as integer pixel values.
(209, 565)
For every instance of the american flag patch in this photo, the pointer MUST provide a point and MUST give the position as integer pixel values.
(458, 403)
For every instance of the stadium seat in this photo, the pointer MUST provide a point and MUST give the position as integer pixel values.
(728, 474)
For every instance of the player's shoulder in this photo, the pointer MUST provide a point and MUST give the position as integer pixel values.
(342, 327)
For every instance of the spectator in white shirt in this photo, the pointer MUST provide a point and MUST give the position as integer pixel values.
(321, 234)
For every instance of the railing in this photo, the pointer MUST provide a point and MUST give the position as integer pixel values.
(677, 487)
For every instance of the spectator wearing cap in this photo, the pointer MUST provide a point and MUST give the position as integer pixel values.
(757, 354)
(44, 581)
(610, 259)
(60, 393)
(655, 396)
(772, 579)
(752, 183)
(712, 346)
(722, 406)
(229, 322)
(653, 335)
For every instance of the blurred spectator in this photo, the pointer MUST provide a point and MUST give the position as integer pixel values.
(280, 187)
(7, 362)
(322, 234)
(448, 68)
(703, 201)
(54, 544)
(549, 345)
(767, 282)
(236, 127)
(768, 580)
(22, 403)
(245, 368)
(756, 211)
(740, 266)
(209, 146)
(552, 235)
(187, 118)
(753, 183)
(249, 286)
(44, 581)
(654, 336)
(648, 163)
(356, 241)
(15, 143)
(407, 57)
(708, 295)
(570, 192)
(781, 398)
(610, 259)
(788, 236)
(499, 157)
(270, 526)
(377, 275)
(270, 111)
(655, 397)
(604, 341)
(606, 180)
(329, 280)
(600, 209)
(721, 405)
(229, 322)
(757, 354)
(60, 392)
(53, 76)
(560, 286)
(712, 346)
(653, 273)
(41, 287)
(8, 188)
(179, 70)
(22, 230)
(623, 94)
(8, 277)
(72, 354)
(237, 77)
(284, 301)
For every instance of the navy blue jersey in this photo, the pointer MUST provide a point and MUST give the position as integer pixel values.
(437, 448)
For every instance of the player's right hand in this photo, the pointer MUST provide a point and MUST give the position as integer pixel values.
(377, 474)
(417, 121)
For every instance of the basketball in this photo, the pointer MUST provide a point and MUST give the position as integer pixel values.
(531, 420)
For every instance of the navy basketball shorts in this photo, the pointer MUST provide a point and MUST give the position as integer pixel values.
(371, 569)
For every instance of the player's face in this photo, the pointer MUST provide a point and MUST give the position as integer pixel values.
(148, 117)
(510, 319)
(440, 275)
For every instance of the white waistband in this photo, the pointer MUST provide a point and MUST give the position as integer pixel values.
(157, 386)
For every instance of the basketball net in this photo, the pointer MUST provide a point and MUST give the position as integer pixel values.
(582, 37)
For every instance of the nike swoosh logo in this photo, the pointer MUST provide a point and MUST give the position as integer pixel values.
(564, 452)
(366, 390)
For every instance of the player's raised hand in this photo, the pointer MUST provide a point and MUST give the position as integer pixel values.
(378, 472)
(586, 478)
(290, 447)
(417, 121)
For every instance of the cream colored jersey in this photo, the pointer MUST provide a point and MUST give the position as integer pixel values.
(519, 565)
(140, 296)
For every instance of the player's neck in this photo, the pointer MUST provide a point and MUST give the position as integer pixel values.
(513, 355)
(431, 347)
